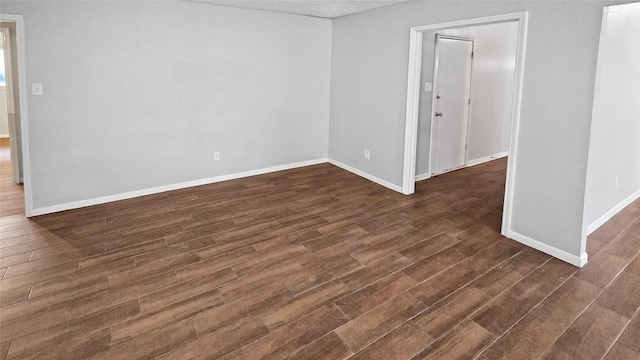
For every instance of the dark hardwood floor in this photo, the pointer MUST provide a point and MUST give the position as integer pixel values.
(312, 263)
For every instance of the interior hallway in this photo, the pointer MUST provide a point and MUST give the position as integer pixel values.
(312, 263)
(11, 195)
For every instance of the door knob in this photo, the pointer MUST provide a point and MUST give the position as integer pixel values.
(438, 114)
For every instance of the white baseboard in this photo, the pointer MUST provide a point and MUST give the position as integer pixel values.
(611, 213)
(367, 176)
(470, 163)
(159, 189)
(578, 261)
(487, 158)
(4, 136)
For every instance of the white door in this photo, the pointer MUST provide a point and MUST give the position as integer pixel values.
(451, 99)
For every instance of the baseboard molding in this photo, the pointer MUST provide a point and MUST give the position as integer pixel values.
(159, 189)
(469, 163)
(367, 176)
(578, 261)
(487, 158)
(611, 213)
(4, 136)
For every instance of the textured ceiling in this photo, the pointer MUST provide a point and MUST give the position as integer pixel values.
(320, 8)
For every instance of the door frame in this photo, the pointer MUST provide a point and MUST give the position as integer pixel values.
(20, 68)
(413, 101)
(14, 145)
(433, 100)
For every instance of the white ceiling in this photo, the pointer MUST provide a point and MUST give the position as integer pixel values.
(319, 8)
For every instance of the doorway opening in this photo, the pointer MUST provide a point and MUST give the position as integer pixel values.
(15, 194)
(414, 87)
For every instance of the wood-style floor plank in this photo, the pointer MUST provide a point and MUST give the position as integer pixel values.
(309, 263)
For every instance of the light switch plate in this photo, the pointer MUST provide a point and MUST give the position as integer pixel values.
(36, 89)
(428, 87)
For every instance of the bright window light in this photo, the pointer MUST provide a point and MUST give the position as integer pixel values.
(3, 82)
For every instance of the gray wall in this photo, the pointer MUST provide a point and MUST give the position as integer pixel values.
(140, 94)
(4, 111)
(368, 102)
(491, 90)
(614, 150)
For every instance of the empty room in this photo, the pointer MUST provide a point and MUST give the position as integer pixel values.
(332, 179)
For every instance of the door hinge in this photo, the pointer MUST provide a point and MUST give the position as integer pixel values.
(472, 54)
(466, 146)
(469, 102)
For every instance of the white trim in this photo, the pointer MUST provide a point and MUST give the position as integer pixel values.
(367, 176)
(548, 249)
(616, 209)
(485, 159)
(493, 19)
(588, 229)
(4, 136)
(474, 162)
(434, 96)
(413, 92)
(467, 139)
(12, 120)
(523, 20)
(159, 189)
(411, 121)
(24, 118)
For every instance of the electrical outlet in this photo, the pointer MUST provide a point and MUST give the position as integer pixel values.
(216, 156)
(367, 154)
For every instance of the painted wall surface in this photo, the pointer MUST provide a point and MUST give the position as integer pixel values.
(368, 102)
(141, 94)
(491, 90)
(4, 114)
(614, 150)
